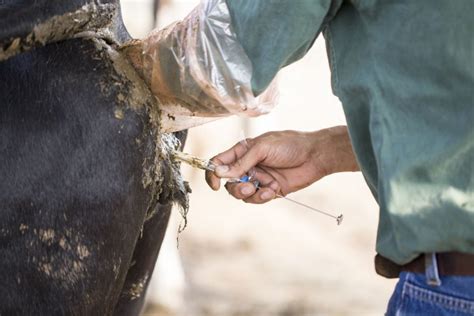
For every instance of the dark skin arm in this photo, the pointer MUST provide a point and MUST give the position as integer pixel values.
(284, 162)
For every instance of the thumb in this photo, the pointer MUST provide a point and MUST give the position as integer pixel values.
(242, 165)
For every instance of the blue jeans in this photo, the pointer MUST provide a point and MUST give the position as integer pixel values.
(428, 294)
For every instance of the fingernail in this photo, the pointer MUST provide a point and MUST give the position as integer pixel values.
(246, 190)
(274, 186)
(222, 169)
(267, 195)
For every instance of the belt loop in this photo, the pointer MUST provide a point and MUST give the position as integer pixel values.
(431, 269)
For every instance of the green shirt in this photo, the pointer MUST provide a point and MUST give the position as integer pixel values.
(404, 72)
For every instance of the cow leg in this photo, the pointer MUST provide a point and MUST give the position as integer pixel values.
(146, 252)
(132, 297)
(72, 196)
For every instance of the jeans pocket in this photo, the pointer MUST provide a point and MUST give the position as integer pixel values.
(417, 300)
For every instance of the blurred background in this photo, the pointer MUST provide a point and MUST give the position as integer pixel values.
(237, 259)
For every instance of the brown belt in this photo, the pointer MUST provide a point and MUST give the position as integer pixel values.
(449, 263)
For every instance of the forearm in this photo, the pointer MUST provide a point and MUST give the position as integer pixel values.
(332, 150)
(199, 66)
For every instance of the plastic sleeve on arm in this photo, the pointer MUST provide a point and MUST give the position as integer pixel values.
(198, 65)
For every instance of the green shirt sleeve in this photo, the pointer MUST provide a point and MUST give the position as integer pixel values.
(276, 33)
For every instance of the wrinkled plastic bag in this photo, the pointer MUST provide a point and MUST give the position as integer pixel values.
(198, 65)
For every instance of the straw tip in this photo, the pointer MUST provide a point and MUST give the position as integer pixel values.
(339, 219)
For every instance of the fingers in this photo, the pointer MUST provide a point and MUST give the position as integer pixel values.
(231, 155)
(262, 196)
(243, 164)
(225, 158)
(240, 190)
(212, 180)
(248, 192)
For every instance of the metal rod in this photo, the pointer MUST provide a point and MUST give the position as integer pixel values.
(337, 218)
(209, 165)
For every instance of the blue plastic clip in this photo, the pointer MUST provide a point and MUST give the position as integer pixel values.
(247, 179)
(244, 179)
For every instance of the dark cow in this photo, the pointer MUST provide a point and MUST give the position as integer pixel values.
(85, 180)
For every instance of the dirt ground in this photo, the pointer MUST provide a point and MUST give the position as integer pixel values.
(279, 258)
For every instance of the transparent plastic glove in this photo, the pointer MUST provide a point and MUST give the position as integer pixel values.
(198, 65)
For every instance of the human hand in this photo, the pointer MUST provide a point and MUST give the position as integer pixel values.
(283, 162)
